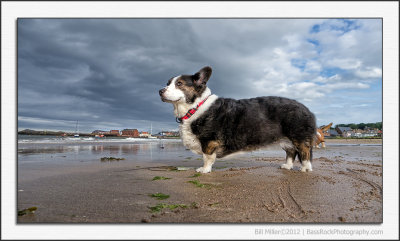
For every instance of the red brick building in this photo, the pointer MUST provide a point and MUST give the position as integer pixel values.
(114, 132)
(130, 132)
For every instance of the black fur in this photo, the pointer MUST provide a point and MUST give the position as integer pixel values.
(240, 125)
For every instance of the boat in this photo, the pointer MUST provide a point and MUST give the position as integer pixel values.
(76, 130)
(151, 130)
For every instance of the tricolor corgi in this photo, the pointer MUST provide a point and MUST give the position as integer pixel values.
(215, 127)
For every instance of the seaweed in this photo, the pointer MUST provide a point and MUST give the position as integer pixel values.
(160, 178)
(27, 210)
(194, 205)
(213, 204)
(196, 175)
(159, 196)
(110, 159)
(198, 184)
(161, 206)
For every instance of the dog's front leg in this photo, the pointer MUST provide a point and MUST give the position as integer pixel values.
(208, 162)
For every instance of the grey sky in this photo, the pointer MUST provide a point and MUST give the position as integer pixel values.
(106, 73)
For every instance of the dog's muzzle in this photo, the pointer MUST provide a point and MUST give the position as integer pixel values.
(161, 92)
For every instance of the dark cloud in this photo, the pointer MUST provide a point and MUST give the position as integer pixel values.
(100, 70)
(106, 73)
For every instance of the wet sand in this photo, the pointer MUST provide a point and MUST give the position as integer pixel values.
(344, 186)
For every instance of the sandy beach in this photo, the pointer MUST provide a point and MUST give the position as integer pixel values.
(69, 183)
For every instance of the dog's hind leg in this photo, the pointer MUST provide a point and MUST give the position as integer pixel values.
(290, 154)
(305, 155)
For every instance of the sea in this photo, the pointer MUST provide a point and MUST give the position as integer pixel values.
(58, 150)
(42, 156)
(42, 148)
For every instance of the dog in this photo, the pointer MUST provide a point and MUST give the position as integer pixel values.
(217, 127)
(320, 139)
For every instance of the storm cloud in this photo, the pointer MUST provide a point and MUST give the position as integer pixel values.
(106, 73)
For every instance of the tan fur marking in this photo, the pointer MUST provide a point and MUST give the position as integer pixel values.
(304, 149)
(190, 91)
(211, 147)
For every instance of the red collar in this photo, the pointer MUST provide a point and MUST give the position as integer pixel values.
(191, 112)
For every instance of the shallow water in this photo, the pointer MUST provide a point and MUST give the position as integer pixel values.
(68, 150)
(48, 155)
(86, 152)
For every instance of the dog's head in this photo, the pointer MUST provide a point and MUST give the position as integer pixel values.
(186, 88)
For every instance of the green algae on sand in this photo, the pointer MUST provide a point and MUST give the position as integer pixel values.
(159, 196)
(110, 159)
(160, 178)
(161, 206)
(27, 211)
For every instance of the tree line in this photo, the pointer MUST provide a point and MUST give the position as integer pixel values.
(362, 126)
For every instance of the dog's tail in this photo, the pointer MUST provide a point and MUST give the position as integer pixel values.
(325, 128)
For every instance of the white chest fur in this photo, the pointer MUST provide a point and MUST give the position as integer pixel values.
(189, 139)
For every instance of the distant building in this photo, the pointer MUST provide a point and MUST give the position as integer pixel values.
(344, 131)
(100, 132)
(114, 132)
(144, 134)
(332, 133)
(367, 132)
(130, 132)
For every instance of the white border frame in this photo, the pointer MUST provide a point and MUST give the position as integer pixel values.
(13, 10)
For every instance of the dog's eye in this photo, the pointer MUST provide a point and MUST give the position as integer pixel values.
(179, 83)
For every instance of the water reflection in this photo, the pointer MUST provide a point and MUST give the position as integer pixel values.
(130, 149)
(145, 151)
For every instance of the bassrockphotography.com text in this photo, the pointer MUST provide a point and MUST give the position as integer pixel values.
(317, 231)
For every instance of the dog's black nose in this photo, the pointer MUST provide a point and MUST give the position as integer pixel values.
(161, 91)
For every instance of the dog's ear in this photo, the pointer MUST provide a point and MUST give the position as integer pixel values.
(201, 77)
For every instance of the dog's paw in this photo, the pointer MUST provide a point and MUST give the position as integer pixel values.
(286, 166)
(203, 169)
(306, 167)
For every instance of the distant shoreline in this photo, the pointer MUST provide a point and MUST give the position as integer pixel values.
(93, 135)
(176, 137)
